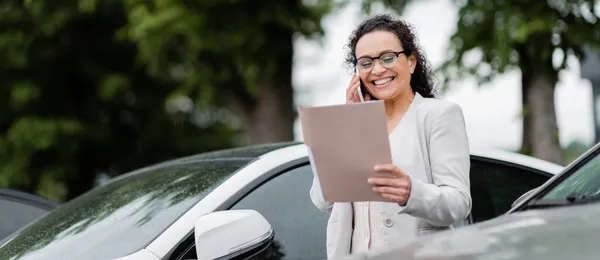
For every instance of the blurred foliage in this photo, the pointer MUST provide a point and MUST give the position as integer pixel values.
(489, 35)
(98, 88)
(395, 5)
(215, 47)
(237, 52)
(495, 36)
(75, 101)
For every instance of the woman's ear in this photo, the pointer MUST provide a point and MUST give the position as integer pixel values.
(412, 63)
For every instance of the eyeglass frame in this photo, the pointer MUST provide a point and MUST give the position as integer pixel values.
(397, 53)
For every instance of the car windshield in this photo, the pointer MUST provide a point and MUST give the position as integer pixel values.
(583, 183)
(120, 217)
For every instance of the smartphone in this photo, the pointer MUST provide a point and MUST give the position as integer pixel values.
(362, 90)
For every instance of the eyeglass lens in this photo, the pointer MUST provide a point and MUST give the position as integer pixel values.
(387, 60)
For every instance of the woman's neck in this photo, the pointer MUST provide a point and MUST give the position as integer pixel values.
(398, 106)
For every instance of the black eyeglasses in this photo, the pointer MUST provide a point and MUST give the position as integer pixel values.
(387, 60)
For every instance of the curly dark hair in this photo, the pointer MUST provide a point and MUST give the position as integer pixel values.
(421, 80)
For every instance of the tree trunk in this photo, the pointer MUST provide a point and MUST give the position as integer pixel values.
(540, 130)
(526, 144)
(269, 117)
(595, 95)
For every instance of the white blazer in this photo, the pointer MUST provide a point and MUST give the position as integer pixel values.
(430, 144)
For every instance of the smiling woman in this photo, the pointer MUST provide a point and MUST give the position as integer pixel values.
(380, 40)
(429, 190)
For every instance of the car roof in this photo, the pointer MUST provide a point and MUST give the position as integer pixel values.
(481, 152)
(252, 152)
(30, 199)
(517, 158)
(256, 151)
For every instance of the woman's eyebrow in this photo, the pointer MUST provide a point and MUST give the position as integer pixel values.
(381, 52)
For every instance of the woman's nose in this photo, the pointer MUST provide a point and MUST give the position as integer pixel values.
(377, 68)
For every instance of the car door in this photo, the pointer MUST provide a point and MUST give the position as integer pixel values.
(496, 184)
(284, 200)
(18, 209)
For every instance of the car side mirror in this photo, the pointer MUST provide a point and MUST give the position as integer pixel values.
(231, 233)
(523, 197)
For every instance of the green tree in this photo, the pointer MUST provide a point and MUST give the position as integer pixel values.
(75, 101)
(524, 35)
(236, 52)
(103, 87)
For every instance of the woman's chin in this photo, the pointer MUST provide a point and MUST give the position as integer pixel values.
(383, 94)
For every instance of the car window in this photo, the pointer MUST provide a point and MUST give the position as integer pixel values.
(15, 215)
(300, 228)
(582, 183)
(495, 186)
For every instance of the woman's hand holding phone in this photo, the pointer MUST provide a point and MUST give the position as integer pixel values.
(352, 92)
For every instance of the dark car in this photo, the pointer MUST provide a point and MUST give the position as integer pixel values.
(17, 209)
(558, 220)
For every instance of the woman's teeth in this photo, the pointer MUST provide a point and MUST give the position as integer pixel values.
(383, 81)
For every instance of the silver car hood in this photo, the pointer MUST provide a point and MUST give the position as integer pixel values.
(571, 232)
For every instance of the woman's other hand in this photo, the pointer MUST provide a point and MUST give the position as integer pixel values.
(396, 188)
(352, 91)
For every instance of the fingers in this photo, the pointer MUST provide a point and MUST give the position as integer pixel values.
(352, 90)
(392, 189)
(355, 78)
(389, 182)
(353, 83)
(390, 168)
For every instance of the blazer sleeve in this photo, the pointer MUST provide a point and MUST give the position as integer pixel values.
(448, 200)
(316, 195)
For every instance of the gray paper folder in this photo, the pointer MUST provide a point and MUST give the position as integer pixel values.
(345, 142)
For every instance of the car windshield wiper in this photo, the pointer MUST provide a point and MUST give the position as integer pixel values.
(571, 199)
(575, 197)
